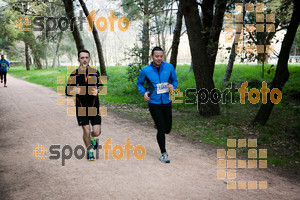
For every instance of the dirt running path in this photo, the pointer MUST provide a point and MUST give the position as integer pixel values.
(29, 116)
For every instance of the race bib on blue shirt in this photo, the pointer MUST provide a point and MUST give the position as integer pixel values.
(162, 88)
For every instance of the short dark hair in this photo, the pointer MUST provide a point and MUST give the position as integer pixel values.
(156, 49)
(83, 51)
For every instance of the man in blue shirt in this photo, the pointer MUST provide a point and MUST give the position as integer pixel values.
(161, 79)
(4, 65)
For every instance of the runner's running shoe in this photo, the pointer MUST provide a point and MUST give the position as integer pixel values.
(5, 85)
(94, 143)
(164, 158)
(90, 155)
(1, 81)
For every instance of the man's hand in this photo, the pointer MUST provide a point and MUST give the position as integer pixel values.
(146, 97)
(94, 92)
(170, 87)
(77, 89)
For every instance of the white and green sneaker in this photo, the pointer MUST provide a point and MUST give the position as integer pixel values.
(164, 158)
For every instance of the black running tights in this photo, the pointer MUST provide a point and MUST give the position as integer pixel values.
(3, 74)
(162, 116)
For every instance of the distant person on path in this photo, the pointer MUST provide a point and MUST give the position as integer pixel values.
(84, 82)
(4, 66)
(161, 79)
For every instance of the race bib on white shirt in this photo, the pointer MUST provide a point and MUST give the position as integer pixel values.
(162, 88)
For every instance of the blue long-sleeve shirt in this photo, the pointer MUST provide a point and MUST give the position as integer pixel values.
(3, 65)
(154, 76)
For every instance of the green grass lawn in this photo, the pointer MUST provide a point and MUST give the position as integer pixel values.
(280, 136)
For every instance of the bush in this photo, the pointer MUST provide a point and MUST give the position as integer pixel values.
(133, 71)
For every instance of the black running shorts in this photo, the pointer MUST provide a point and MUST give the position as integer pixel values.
(85, 120)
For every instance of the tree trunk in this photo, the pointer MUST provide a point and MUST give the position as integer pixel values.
(176, 37)
(36, 57)
(191, 66)
(69, 7)
(157, 30)
(203, 41)
(97, 41)
(27, 57)
(163, 35)
(58, 60)
(230, 63)
(282, 72)
(145, 34)
(30, 40)
(46, 49)
(46, 52)
(37, 61)
(215, 30)
(57, 49)
(30, 60)
(232, 53)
